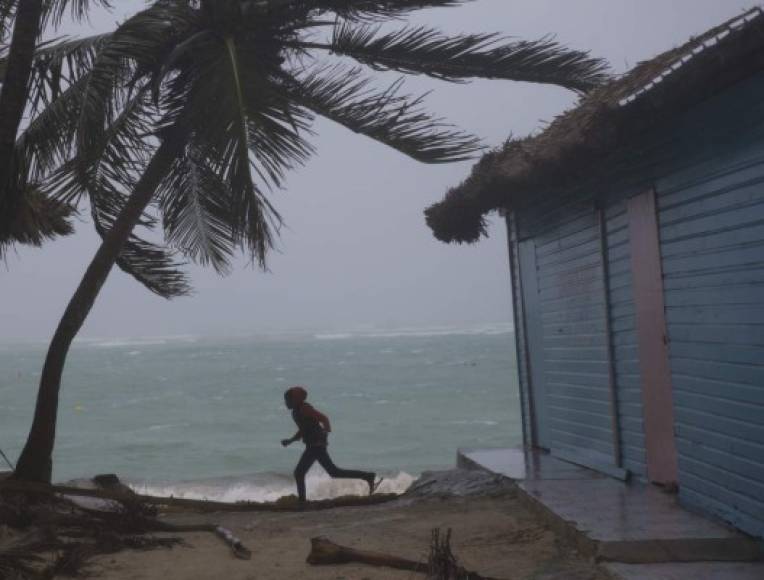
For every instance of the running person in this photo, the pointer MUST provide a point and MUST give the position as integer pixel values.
(314, 428)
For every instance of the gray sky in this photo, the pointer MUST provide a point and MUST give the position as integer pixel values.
(355, 252)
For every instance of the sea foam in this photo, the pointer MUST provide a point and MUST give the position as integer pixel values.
(269, 487)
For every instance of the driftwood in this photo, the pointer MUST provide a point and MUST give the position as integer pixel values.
(324, 552)
(196, 504)
(238, 548)
(442, 564)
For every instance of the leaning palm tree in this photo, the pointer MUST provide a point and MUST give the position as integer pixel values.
(26, 215)
(193, 109)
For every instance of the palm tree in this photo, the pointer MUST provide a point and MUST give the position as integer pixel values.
(196, 107)
(26, 215)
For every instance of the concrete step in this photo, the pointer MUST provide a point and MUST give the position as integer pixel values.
(691, 571)
(611, 520)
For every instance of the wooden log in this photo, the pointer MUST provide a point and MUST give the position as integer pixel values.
(324, 552)
(239, 550)
(195, 504)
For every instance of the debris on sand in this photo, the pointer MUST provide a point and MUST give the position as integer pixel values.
(460, 483)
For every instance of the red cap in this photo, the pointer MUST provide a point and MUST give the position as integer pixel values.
(296, 395)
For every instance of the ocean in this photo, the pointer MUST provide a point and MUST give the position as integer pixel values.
(203, 418)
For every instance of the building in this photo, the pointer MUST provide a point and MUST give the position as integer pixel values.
(636, 237)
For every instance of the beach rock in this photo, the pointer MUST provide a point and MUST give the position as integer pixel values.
(460, 483)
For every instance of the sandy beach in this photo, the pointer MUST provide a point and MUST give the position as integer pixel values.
(493, 534)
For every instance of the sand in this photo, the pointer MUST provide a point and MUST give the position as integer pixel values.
(495, 536)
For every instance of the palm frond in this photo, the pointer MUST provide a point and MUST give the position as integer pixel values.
(399, 121)
(47, 142)
(373, 10)
(153, 266)
(196, 206)
(421, 50)
(60, 76)
(124, 151)
(251, 136)
(134, 49)
(59, 63)
(7, 13)
(355, 10)
(38, 218)
(56, 10)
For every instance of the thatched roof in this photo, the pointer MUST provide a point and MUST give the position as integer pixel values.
(604, 121)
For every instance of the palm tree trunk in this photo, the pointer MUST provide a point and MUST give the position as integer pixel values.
(35, 463)
(13, 98)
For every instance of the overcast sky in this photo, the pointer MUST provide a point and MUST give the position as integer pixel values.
(355, 252)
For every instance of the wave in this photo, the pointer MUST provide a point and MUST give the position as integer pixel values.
(269, 487)
(486, 422)
(333, 336)
(482, 330)
(118, 342)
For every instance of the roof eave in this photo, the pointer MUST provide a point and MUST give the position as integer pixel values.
(582, 138)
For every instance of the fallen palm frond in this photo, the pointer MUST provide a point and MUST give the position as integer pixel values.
(22, 557)
(47, 536)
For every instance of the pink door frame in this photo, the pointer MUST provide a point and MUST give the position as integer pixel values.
(652, 337)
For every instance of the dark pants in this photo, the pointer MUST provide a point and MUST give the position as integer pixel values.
(320, 454)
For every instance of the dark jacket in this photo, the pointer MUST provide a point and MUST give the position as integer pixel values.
(313, 426)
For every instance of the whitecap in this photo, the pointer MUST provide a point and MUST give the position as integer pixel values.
(319, 486)
(333, 336)
(162, 427)
(120, 343)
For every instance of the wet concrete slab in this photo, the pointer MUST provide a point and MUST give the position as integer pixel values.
(612, 520)
(690, 571)
(518, 465)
